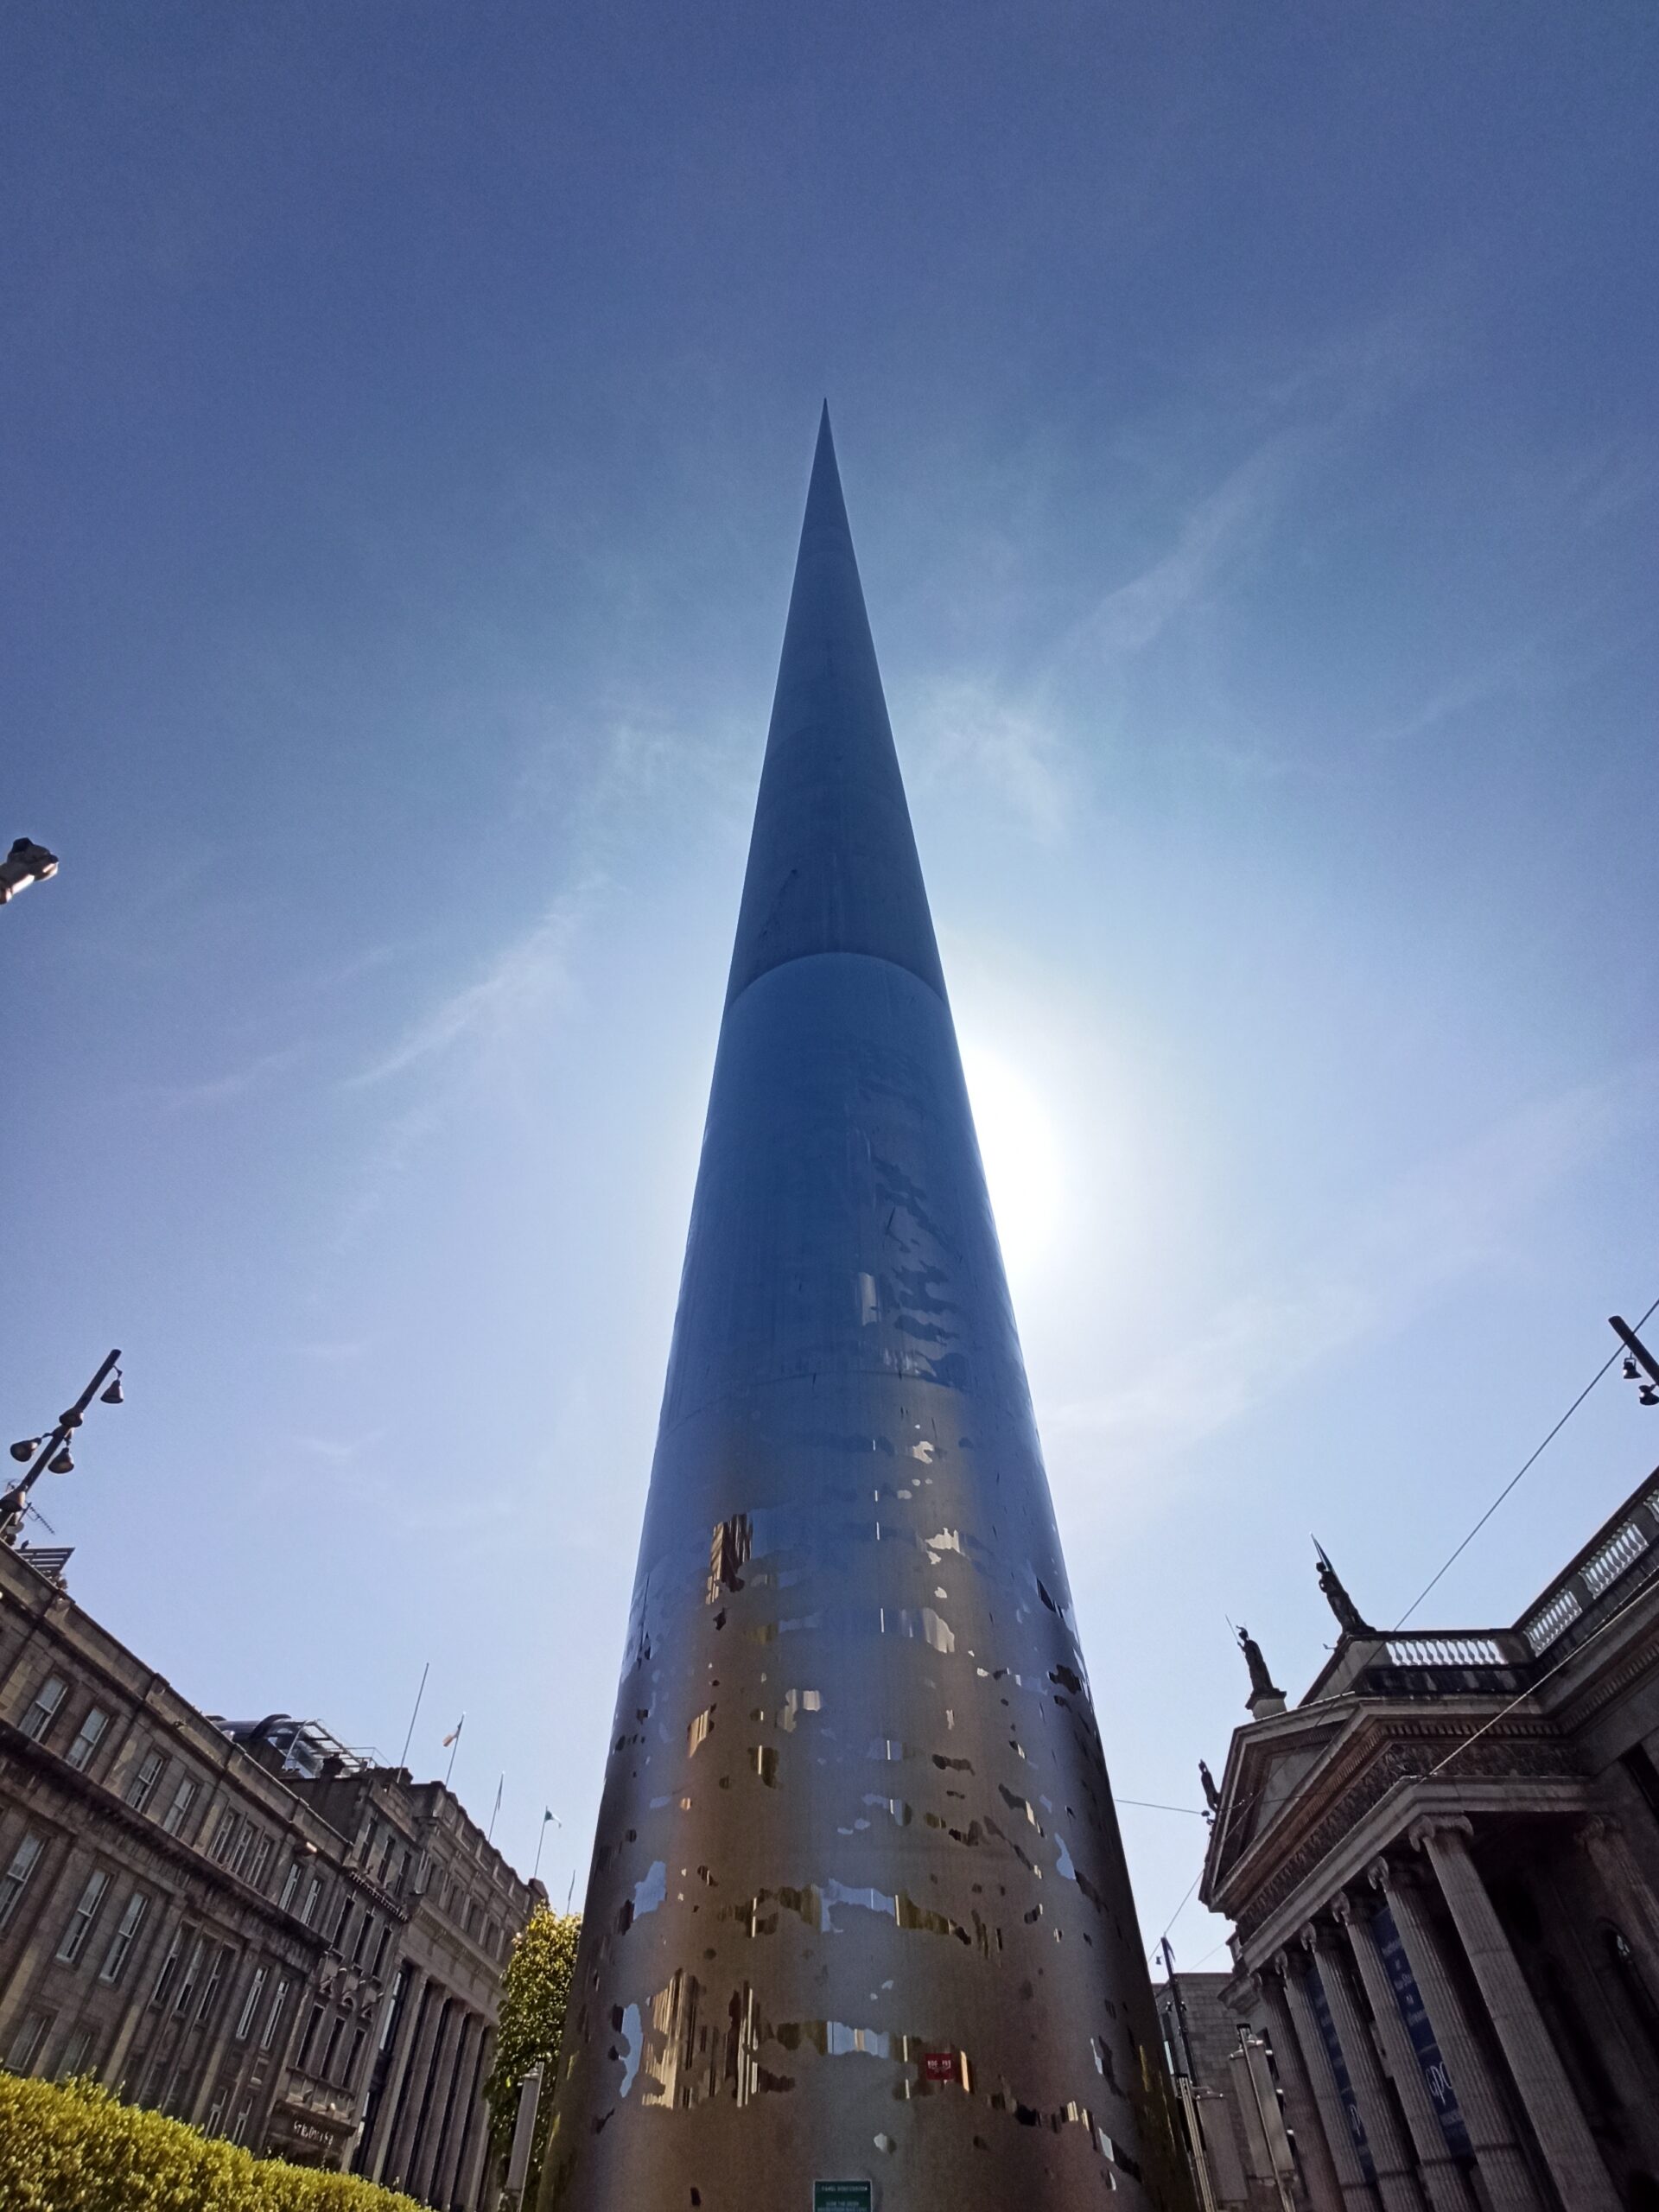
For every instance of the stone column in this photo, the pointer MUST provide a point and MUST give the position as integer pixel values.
(1505, 2171)
(400, 2141)
(430, 2130)
(1395, 2184)
(1438, 2170)
(1351, 2175)
(1569, 2149)
(143, 1961)
(385, 2115)
(233, 1995)
(469, 2185)
(457, 2099)
(45, 1906)
(1626, 1890)
(1291, 2064)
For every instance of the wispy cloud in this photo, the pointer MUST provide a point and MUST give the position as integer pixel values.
(519, 985)
(340, 1452)
(1211, 539)
(224, 1090)
(963, 727)
(1442, 1223)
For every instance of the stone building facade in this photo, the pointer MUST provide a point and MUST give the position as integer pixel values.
(1443, 1868)
(239, 1923)
(1230, 2107)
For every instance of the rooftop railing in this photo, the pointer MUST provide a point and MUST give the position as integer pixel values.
(1595, 1572)
(1446, 1651)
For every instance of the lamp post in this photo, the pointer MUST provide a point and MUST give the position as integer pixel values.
(26, 863)
(1637, 1359)
(50, 1454)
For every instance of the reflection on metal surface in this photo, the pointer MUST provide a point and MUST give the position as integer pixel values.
(833, 1921)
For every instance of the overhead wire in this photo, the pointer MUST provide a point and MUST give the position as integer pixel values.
(1524, 1468)
(1451, 1560)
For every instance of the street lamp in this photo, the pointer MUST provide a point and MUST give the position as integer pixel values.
(26, 863)
(50, 1454)
(1637, 1359)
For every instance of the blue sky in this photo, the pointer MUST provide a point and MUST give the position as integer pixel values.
(1246, 419)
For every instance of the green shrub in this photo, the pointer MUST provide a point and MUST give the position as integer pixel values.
(72, 2147)
(535, 1994)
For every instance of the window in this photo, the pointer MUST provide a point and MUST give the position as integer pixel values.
(183, 1798)
(349, 2077)
(26, 2044)
(342, 1925)
(278, 1999)
(187, 1984)
(44, 1711)
(115, 1958)
(14, 1880)
(244, 1846)
(76, 2053)
(313, 1892)
(290, 1884)
(363, 1934)
(81, 1919)
(311, 2027)
(222, 1835)
(261, 1866)
(224, 1960)
(242, 2119)
(88, 1736)
(327, 2069)
(169, 1968)
(389, 2017)
(142, 1788)
(380, 1951)
(250, 2004)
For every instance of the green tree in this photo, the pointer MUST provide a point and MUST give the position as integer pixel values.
(534, 1996)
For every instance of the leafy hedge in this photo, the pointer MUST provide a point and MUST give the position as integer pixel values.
(535, 1995)
(72, 2147)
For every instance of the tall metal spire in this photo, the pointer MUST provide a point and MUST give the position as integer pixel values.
(832, 861)
(858, 1911)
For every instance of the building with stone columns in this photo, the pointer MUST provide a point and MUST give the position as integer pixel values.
(1442, 1865)
(240, 1923)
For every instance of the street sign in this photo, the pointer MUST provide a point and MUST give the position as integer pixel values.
(939, 2066)
(841, 2196)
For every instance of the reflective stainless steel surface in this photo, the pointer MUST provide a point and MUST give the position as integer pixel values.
(858, 1908)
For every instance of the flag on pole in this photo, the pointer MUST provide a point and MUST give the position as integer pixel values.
(455, 1732)
(553, 1817)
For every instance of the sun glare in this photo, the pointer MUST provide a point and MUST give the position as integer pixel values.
(1020, 1148)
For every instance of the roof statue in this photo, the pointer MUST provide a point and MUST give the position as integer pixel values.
(1211, 1794)
(1262, 1682)
(1347, 1612)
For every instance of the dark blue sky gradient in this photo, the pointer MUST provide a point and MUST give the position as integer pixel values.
(1247, 423)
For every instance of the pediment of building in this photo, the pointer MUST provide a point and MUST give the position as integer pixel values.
(1270, 1771)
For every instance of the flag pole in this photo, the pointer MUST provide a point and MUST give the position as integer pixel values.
(415, 1715)
(454, 1744)
(541, 1838)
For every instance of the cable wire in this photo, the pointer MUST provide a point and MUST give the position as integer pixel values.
(1533, 1689)
(1178, 1910)
(1516, 1478)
